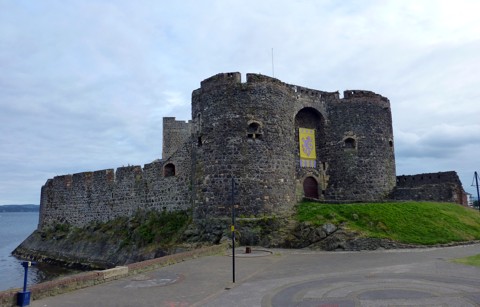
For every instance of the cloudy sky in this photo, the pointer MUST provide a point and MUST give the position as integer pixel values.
(84, 84)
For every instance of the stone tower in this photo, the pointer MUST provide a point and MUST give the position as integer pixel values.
(254, 132)
(279, 142)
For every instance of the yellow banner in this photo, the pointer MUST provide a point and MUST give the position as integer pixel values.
(307, 144)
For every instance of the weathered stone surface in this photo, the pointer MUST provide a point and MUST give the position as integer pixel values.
(83, 254)
(441, 186)
(249, 132)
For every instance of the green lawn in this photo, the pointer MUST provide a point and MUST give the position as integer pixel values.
(424, 223)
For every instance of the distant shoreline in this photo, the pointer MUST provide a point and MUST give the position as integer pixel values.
(19, 208)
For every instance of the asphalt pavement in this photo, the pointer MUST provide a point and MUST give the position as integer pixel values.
(282, 277)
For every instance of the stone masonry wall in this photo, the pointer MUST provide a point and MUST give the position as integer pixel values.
(239, 136)
(441, 186)
(360, 153)
(250, 131)
(81, 198)
(175, 134)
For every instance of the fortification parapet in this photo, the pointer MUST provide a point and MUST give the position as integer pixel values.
(103, 195)
(221, 79)
(428, 178)
(300, 90)
(62, 181)
(365, 95)
(152, 171)
(258, 78)
(128, 172)
(441, 186)
(104, 176)
(254, 132)
(312, 93)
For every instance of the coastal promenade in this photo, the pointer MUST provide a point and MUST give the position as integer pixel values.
(281, 277)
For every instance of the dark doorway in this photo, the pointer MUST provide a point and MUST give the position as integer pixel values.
(310, 187)
(169, 170)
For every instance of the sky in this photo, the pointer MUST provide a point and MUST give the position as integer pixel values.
(84, 84)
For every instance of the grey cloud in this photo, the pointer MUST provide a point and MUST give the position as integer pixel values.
(84, 86)
(440, 141)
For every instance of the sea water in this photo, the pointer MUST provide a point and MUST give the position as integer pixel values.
(14, 228)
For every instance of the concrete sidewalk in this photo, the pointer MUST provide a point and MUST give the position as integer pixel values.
(296, 278)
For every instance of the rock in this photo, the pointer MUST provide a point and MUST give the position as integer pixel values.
(329, 228)
(317, 235)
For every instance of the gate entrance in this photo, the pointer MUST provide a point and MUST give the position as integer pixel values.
(310, 187)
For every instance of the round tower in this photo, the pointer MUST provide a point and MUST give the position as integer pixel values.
(361, 161)
(242, 131)
(281, 143)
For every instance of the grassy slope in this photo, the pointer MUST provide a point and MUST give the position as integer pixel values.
(407, 222)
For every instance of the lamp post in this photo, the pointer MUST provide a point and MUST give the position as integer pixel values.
(478, 193)
(233, 230)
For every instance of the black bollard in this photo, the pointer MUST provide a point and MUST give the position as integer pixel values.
(23, 298)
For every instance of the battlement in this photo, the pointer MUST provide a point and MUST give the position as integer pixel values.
(97, 178)
(80, 198)
(428, 178)
(314, 93)
(172, 122)
(259, 78)
(352, 94)
(252, 79)
(251, 131)
(441, 186)
(221, 79)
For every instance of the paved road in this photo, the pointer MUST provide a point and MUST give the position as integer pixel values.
(415, 277)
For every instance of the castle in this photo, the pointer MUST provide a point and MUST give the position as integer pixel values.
(279, 142)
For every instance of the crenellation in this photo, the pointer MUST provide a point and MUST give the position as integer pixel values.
(105, 194)
(126, 173)
(82, 179)
(153, 171)
(253, 132)
(258, 78)
(358, 94)
(313, 93)
(221, 79)
(427, 178)
(440, 186)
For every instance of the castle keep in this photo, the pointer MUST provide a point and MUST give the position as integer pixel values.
(279, 142)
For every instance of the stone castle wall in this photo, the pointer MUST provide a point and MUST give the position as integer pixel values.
(441, 186)
(250, 132)
(82, 198)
